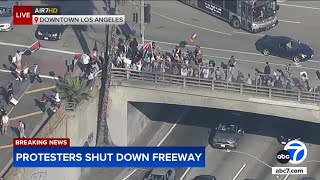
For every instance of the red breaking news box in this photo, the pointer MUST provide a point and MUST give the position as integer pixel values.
(58, 142)
(22, 15)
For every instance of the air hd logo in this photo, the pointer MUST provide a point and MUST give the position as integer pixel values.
(295, 152)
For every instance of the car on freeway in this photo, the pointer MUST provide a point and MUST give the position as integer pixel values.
(284, 139)
(225, 136)
(284, 47)
(50, 32)
(205, 177)
(6, 14)
(162, 174)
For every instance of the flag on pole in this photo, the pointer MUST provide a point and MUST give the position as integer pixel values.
(147, 49)
(193, 38)
(35, 46)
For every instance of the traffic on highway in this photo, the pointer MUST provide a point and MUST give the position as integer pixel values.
(268, 43)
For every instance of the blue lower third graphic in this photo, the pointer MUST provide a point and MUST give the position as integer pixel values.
(109, 157)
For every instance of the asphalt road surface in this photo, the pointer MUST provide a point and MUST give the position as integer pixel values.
(259, 142)
(173, 22)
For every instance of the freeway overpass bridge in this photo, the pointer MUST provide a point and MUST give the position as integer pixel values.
(133, 86)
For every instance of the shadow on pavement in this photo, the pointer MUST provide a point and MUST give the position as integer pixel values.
(86, 7)
(252, 123)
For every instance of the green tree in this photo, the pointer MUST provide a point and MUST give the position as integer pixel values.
(74, 90)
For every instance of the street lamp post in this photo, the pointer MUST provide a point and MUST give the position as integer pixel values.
(142, 21)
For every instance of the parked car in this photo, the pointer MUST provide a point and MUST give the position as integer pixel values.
(205, 177)
(6, 14)
(162, 174)
(284, 139)
(50, 32)
(225, 136)
(284, 47)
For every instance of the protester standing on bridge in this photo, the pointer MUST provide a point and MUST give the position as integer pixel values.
(231, 64)
(22, 127)
(5, 123)
(267, 72)
(134, 47)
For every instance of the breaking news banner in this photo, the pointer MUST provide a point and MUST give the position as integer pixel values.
(51, 15)
(49, 153)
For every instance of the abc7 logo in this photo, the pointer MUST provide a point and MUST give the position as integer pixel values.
(294, 152)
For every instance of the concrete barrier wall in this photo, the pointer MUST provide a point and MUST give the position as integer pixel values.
(124, 91)
(79, 126)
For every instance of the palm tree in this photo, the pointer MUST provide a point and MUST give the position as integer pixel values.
(74, 90)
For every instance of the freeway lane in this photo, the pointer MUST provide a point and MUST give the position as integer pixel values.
(259, 142)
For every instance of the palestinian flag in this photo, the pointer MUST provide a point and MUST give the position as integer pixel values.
(34, 47)
(193, 38)
(147, 50)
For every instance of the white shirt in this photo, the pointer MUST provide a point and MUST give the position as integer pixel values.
(25, 70)
(184, 72)
(249, 81)
(206, 73)
(5, 120)
(57, 98)
(18, 57)
(91, 76)
(85, 59)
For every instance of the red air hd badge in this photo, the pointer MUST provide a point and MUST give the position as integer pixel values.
(22, 15)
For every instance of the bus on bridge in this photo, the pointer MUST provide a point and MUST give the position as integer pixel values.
(251, 15)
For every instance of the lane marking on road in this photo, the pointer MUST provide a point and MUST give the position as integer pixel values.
(287, 176)
(185, 173)
(298, 6)
(161, 141)
(6, 146)
(294, 22)
(26, 115)
(187, 24)
(20, 98)
(42, 48)
(239, 172)
(251, 34)
(208, 48)
(41, 89)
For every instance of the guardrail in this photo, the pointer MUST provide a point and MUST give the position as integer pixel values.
(215, 85)
(70, 106)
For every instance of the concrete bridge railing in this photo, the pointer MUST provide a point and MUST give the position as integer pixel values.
(215, 85)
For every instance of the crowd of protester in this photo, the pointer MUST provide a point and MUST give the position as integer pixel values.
(187, 63)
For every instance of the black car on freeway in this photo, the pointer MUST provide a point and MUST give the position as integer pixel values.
(205, 177)
(50, 32)
(284, 139)
(284, 47)
(225, 136)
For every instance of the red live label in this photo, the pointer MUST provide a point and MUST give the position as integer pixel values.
(22, 15)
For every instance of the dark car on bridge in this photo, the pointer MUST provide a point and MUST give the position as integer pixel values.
(205, 177)
(225, 136)
(50, 32)
(284, 139)
(284, 47)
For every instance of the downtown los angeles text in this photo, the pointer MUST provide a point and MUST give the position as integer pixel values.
(35, 15)
(289, 170)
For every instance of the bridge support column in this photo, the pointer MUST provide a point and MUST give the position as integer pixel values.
(117, 117)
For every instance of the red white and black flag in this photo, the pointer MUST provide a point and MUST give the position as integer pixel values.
(33, 48)
(147, 49)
